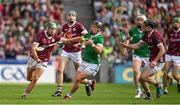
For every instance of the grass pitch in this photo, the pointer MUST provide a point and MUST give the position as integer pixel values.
(103, 94)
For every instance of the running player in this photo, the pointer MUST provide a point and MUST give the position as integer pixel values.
(38, 60)
(140, 55)
(156, 60)
(172, 58)
(72, 29)
(91, 59)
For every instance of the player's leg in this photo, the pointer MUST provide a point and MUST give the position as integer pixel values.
(60, 73)
(166, 70)
(79, 76)
(31, 64)
(176, 69)
(145, 84)
(136, 64)
(146, 76)
(37, 73)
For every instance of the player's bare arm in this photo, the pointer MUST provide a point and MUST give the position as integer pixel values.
(133, 46)
(161, 52)
(34, 51)
(98, 48)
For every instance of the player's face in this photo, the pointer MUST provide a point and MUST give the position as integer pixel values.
(176, 25)
(51, 31)
(139, 22)
(94, 29)
(146, 28)
(71, 18)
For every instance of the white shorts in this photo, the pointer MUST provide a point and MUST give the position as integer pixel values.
(141, 59)
(174, 59)
(90, 68)
(157, 68)
(33, 64)
(74, 56)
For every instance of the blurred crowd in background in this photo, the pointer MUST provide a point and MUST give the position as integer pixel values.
(21, 19)
(161, 11)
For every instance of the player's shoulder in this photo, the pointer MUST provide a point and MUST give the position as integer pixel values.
(132, 30)
(100, 36)
(40, 33)
(65, 25)
(156, 34)
(78, 24)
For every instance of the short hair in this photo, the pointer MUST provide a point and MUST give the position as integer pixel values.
(176, 19)
(150, 23)
(51, 25)
(72, 13)
(98, 24)
(142, 17)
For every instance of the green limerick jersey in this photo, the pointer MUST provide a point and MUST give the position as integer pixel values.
(136, 36)
(89, 54)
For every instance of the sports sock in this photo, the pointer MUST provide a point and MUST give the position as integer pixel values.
(88, 81)
(69, 93)
(148, 94)
(138, 87)
(59, 88)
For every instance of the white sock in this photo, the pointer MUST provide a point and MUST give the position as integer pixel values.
(69, 94)
(88, 81)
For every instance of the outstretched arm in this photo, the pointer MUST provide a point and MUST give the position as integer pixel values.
(134, 46)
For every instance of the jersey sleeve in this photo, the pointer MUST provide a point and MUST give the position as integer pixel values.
(100, 40)
(87, 36)
(81, 29)
(157, 39)
(57, 37)
(37, 38)
(63, 29)
(130, 33)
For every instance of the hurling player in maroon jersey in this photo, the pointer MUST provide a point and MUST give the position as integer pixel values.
(38, 60)
(172, 57)
(156, 60)
(71, 51)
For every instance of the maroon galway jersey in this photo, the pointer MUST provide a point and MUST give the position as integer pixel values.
(153, 40)
(42, 39)
(174, 42)
(76, 30)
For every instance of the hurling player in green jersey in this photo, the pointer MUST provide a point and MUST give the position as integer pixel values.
(91, 60)
(139, 55)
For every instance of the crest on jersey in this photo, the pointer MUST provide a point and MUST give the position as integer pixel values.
(74, 29)
(44, 40)
(53, 40)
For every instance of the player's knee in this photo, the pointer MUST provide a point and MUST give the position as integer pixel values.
(60, 70)
(78, 79)
(135, 71)
(142, 78)
(35, 78)
(174, 75)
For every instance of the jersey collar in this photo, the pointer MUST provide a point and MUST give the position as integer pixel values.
(72, 24)
(45, 32)
(150, 33)
(139, 30)
(177, 30)
(96, 34)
